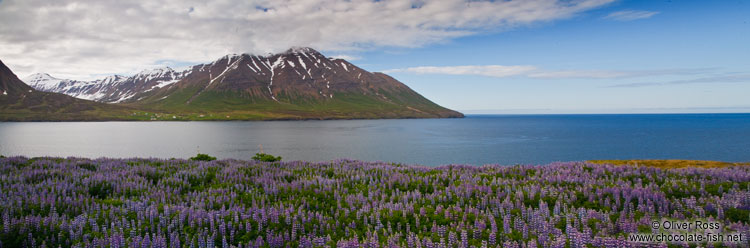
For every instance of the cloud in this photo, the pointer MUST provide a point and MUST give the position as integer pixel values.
(630, 15)
(528, 71)
(480, 70)
(346, 57)
(77, 38)
(581, 74)
(501, 71)
(733, 78)
(602, 74)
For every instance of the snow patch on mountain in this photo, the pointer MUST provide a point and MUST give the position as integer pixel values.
(110, 89)
(229, 68)
(307, 63)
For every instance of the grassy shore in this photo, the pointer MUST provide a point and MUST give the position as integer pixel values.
(671, 163)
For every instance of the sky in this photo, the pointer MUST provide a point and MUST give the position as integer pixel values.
(494, 57)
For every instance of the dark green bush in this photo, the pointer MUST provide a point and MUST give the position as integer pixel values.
(266, 157)
(88, 167)
(737, 215)
(203, 157)
(101, 190)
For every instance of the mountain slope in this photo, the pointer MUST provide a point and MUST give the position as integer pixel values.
(20, 102)
(297, 84)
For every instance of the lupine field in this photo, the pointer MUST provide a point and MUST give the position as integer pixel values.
(76, 202)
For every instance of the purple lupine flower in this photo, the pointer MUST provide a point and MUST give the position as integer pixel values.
(464, 239)
(254, 198)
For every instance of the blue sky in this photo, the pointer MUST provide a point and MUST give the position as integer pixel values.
(530, 56)
(690, 56)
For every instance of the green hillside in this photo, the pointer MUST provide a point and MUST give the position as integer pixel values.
(233, 105)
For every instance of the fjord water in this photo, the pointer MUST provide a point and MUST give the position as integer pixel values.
(477, 139)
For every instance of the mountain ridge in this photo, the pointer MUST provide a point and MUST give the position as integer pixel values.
(110, 89)
(20, 102)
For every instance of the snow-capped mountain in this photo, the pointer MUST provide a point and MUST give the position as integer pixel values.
(111, 89)
(296, 82)
(20, 102)
(300, 71)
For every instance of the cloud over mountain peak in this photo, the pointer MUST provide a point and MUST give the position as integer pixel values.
(95, 36)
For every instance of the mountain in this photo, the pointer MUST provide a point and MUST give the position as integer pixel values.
(20, 102)
(300, 83)
(111, 89)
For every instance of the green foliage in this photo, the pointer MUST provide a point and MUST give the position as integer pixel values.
(101, 190)
(531, 201)
(152, 176)
(561, 224)
(680, 193)
(613, 217)
(738, 215)
(200, 182)
(14, 238)
(266, 157)
(713, 189)
(515, 235)
(202, 157)
(583, 201)
(638, 215)
(644, 228)
(41, 177)
(289, 178)
(88, 167)
(591, 223)
(111, 201)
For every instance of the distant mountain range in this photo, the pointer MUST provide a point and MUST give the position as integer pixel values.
(111, 89)
(300, 83)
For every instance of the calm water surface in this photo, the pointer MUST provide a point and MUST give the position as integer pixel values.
(477, 139)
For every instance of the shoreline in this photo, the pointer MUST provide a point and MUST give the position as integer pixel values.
(655, 163)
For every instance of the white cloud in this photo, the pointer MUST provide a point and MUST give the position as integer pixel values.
(480, 70)
(501, 71)
(601, 74)
(731, 78)
(579, 74)
(630, 15)
(79, 38)
(346, 57)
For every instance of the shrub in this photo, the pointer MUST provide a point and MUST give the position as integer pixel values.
(738, 215)
(203, 157)
(88, 167)
(101, 190)
(266, 157)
